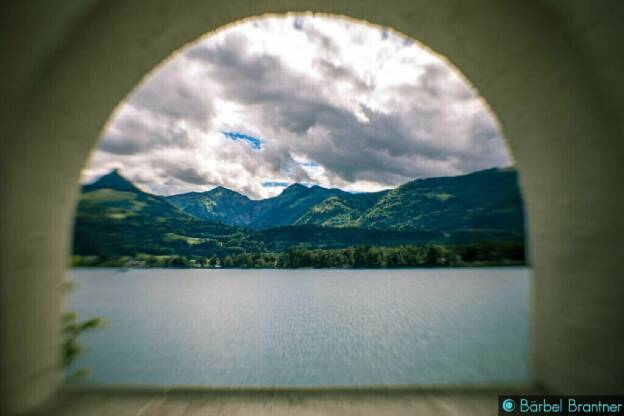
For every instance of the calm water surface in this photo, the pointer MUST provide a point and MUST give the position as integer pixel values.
(304, 327)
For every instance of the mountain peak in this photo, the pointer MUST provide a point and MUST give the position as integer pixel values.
(221, 189)
(113, 180)
(226, 192)
(295, 187)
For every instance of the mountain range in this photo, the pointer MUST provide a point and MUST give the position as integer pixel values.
(115, 217)
(487, 199)
(288, 208)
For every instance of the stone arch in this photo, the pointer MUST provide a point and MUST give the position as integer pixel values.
(522, 57)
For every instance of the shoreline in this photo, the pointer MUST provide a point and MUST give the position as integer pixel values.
(481, 266)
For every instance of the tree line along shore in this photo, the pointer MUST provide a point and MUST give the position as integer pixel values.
(484, 253)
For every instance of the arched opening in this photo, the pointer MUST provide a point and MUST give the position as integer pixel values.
(532, 63)
(405, 167)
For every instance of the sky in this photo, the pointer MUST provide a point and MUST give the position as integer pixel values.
(309, 99)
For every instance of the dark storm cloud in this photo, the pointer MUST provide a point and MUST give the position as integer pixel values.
(149, 119)
(135, 131)
(118, 145)
(184, 171)
(388, 148)
(170, 95)
(189, 175)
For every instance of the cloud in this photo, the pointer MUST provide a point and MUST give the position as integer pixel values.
(176, 93)
(136, 130)
(299, 99)
(189, 175)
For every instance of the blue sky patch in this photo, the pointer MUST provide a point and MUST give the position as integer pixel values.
(254, 142)
(274, 184)
(293, 163)
(311, 164)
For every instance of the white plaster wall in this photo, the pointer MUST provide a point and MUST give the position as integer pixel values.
(545, 68)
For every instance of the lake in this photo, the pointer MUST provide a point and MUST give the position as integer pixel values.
(304, 327)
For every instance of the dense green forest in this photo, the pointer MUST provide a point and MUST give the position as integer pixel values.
(478, 254)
